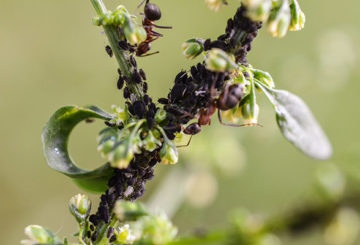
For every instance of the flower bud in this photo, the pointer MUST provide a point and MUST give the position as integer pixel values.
(168, 153)
(250, 112)
(121, 155)
(119, 116)
(160, 115)
(297, 17)
(107, 19)
(80, 207)
(129, 211)
(96, 21)
(279, 21)
(38, 235)
(264, 77)
(150, 143)
(258, 10)
(134, 34)
(124, 235)
(120, 15)
(215, 4)
(192, 48)
(219, 61)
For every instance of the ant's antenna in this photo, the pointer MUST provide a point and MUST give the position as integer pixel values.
(142, 2)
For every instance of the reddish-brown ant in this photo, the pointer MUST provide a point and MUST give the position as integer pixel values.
(152, 13)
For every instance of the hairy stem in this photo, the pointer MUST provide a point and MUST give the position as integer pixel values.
(121, 56)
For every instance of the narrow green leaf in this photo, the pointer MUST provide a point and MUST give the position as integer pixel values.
(55, 137)
(298, 124)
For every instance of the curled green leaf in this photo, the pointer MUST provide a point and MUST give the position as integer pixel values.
(55, 137)
(298, 124)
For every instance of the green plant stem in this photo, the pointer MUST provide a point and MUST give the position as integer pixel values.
(121, 56)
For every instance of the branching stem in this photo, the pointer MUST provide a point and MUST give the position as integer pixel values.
(121, 56)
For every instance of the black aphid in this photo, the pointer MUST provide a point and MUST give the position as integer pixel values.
(109, 50)
(142, 74)
(120, 82)
(133, 61)
(136, 77)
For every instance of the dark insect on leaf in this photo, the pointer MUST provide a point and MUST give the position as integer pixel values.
(298, 124)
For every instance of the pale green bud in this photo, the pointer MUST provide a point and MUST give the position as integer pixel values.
(107, 19)
(264, 77)
(219, 61)
(150, 143)
(119, 116)
(168, 153)
(129, 211)
(80, 206)
(192, 48)
(160, 115)
(134, 34)
(279, 20)
(106, 147)
(215, 4)
(250, 112)
(258, 10)
(38, 235)
(297, 17)
(121, 155)
(96, 21)
(120, 15)
(124, 235)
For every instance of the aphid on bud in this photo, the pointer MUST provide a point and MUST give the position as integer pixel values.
(109, 50)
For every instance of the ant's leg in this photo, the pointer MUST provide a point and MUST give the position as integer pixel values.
(142, 2)
(162, 27)
(188, 143)
(144, 55)
(236, 125)
(156, 34)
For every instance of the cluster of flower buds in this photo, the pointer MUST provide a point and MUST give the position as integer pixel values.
(122, 19)
(281, 15)
(127, 136)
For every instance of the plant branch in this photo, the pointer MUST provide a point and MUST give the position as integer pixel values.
(121, 56)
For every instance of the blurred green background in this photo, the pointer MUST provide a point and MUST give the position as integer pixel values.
(51, 55)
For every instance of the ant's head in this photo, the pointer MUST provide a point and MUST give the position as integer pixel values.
(152, 11)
